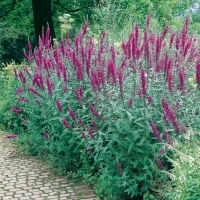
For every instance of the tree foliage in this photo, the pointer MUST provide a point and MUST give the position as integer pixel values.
(114, 15)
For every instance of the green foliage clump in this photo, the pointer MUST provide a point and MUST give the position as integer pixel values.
(7, 90)
(12, 44)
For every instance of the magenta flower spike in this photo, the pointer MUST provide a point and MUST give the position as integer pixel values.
(59, 105)
(81, 122)
(94, 124)
(90, 133)
(23, 99)
(81, 92)
(143, 82)
(64, 88)
(165, 31)
(26, 70)
(83, 135)
(177, 42)
(136, 29)
(170, 81)
(155, 131)
(130, 102)
(119, 167)
(27, 56)
(85, 29)
(93, 110)
(49, 87)
(149, 100)
(198, 73)
(30, 48)
(11, 136)
(38, 102)
(46, 135)
(187, 47)
(19, 91)
(167, 137)
(181, 75)
(169, 115)
(65, 123)
(72, 114)
(15, 71)
(47, 35)
(148, 20)
(64, 71)
(14, 110)
(34, 91)
(162, 151)
(173, 35)
(22, 77)
(159, 163)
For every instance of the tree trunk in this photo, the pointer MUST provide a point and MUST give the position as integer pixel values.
(42, 15)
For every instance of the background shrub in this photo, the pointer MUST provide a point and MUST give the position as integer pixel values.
(8, 121)
(12, 44)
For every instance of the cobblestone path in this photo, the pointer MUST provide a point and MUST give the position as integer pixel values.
(24, 177)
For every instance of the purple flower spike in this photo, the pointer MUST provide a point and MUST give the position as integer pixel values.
(143, 82)
(15, 71)
(91, 133)
(149, 100)
(83, 135)
(130, 102)
(59, 105)
(34, 91)
(167, 137)
(71, 112)
(11, 136)
(94, 124)
(198, 73)
(93, 110)
(19, 91)
(64, 89)
(119, 167)
(89, 150)
(170, 81)
(159, 163)
(46, 135)
(162, 151)
(155, 131)
(64, 121)
(14, 110)
(23, 99)
(81, 122)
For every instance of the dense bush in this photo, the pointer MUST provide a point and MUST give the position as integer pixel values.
(12, 44)
(99, 108)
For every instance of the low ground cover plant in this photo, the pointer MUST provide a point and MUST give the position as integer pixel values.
(113, 112)
(184, 176)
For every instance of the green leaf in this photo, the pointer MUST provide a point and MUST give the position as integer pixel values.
(141, 141)
(130, 147)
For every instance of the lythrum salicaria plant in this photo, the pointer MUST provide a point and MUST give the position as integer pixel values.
(92, 106)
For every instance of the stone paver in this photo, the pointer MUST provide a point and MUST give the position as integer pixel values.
(24, 177)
